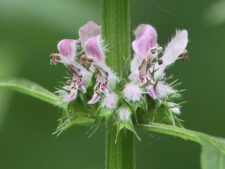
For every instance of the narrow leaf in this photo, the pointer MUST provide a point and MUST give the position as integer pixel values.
(32, 89)
(213, 148)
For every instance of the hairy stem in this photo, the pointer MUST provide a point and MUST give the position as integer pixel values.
(119, 155)
(116, 33)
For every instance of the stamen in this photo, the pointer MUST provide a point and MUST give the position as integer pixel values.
(54, 58)
(184, 55)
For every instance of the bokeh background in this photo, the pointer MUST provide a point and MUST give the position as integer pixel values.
(29, 31)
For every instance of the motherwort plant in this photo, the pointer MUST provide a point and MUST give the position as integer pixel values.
(109, 87)
(146, 95)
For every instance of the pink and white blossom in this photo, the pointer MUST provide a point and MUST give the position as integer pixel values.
(144, 71)
(132, 92)
(94, 48)
(89, 30)
(86, 56)
(67, 50)
(105, 78)
(67, 55)
(146, 40)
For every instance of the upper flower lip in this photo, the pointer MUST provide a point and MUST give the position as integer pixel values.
(67, 50)
(93, 48)
(89, 30)
(146, 39)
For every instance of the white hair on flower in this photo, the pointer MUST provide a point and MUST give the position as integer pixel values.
(110, 100)
(174, 107)
(132, 92)
(124, 114)
(163, 90)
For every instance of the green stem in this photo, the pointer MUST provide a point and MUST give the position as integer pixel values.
(119, 155)
(116, 33)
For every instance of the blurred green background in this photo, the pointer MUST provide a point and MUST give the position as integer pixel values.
(29, 32)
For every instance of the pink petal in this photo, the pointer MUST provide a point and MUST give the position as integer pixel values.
(94, 98)
(105, 89)
(89, 30)
(72, 95)
(67, 49)
(152, 92)
(175, 47)
(82, 87)
(93, 48)
(145, 40)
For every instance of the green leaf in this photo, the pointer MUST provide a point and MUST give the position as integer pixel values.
(213, 148)
(121, 125)
(78, 113)
(32, 89)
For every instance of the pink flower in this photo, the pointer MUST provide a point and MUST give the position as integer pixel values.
(89, 30)
(105, 78)
(67, 50)
(91, 42)
(94, 48)
(144, 69)
(146, 40)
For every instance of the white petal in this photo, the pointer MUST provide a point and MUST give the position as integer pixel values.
(87, 75)
(135, 63)
(112, 77)
(159, 71)
(175, 47)
(95, 98)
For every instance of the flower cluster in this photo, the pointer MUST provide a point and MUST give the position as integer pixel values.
(85, 57)
(145, 91)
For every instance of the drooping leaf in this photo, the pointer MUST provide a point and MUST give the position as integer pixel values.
(213, 148)
(32, 89)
